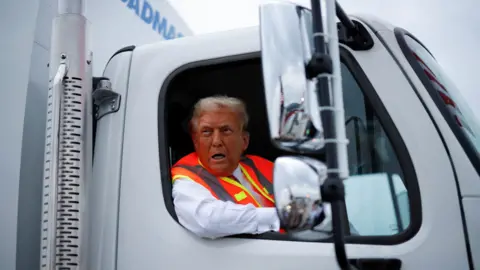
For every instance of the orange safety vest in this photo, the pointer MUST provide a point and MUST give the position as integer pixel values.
(258, 171)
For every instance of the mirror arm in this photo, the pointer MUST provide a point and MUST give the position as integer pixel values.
(358, 40)
(320, 63)
(332, 190)
(343, 17)
(352, 33)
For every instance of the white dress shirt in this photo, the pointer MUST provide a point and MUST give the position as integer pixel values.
(200, 212)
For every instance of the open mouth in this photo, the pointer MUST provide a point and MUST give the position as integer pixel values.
(218, 156)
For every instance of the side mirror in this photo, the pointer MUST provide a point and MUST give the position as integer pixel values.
(297, 193)
(292, 103)
(302, 80)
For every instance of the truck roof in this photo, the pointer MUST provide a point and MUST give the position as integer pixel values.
(230, 42)
(250, 35)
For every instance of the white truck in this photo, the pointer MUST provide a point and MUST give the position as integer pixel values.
(373, 105)
(25, 37)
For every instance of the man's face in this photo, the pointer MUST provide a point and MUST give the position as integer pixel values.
(220, 141)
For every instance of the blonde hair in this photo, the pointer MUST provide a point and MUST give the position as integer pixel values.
(216, 102)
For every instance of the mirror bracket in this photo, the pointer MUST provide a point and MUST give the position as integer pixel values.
(376, 263)
(319, 64)
(358, 39)
(333, 190)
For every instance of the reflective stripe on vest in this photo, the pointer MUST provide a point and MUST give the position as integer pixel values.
(238, 193)
(212, 182)
(267, 190)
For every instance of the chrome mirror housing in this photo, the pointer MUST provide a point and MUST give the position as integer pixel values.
(302, 80)
(292, 102)
(297, 192)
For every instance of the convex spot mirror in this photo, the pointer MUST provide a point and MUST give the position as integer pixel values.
(291, 101)
(297, 182)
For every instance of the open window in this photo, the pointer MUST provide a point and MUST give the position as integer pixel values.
(375, 145)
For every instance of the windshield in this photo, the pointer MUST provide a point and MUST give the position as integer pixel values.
(448, 95)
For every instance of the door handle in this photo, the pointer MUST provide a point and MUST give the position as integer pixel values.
(375, 264)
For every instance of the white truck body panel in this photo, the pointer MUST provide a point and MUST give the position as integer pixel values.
(25, 55)
(469, 180)
(120, 23)
(466, 174)
(470, 207)
(104, 190)
(145, 224)
(23, 106)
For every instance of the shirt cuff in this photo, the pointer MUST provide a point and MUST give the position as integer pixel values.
(267, 220)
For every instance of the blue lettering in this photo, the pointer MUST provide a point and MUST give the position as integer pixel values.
(133, 4)
(159, 26)
(151, 16)
(147, 13)
(171, 32)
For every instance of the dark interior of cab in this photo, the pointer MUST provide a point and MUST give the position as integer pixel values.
(242, 78)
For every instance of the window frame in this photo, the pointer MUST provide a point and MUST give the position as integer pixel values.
(370, 95)
(467, 145)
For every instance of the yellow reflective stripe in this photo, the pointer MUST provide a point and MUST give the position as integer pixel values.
(235, 183)
(262, 191)
(199, 162)
(240, 196)
(180, 176)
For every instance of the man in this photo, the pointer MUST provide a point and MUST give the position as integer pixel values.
(217, 190)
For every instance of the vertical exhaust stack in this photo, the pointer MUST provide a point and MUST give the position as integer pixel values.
(68, 145)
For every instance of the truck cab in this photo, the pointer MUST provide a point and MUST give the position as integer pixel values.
(413, 158)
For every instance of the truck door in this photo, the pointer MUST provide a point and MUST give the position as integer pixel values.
(401, 176)
(401, 197)
(405, 143)
(454, 119)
